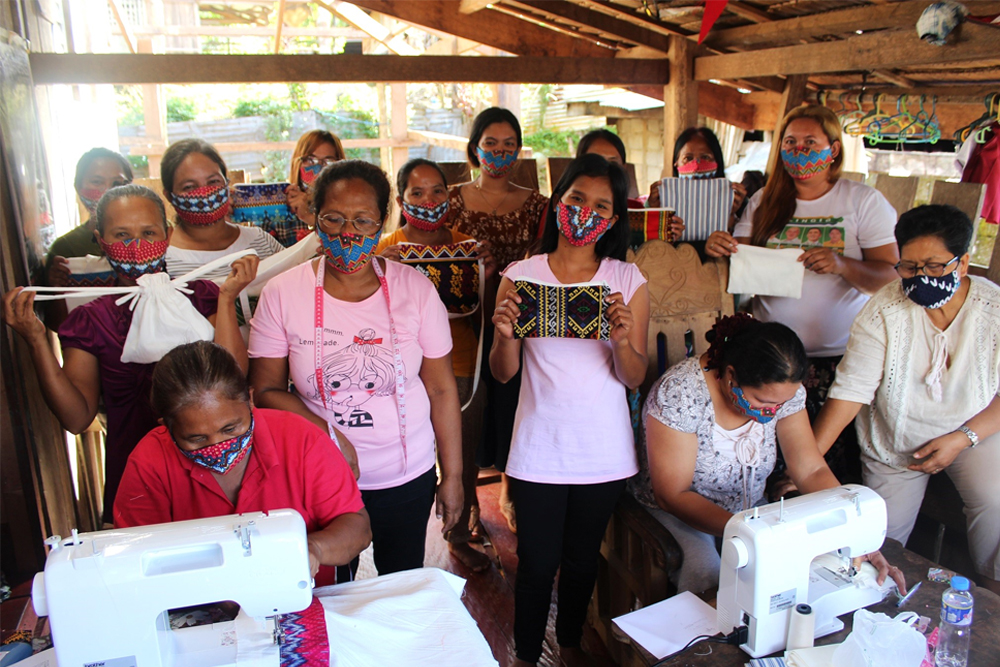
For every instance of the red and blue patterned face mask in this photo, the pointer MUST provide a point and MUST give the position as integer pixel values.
(496, 163)
(803, 162)
(308, 174)
(581, 225)
(90, 197)
(698, 169)
(762, 415)
(426, 217)
(347, 253)
(202, 206)
(223, 456)
(132, 258)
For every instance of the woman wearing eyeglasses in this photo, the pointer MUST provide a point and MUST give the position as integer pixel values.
(315, 150)
(922, 372)
(711, 429)
(367, 346)
(195, 183)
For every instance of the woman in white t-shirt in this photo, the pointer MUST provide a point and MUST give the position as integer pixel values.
(367, 348)
(572, 447)
(195, 183)
(809, 195)
(710, 429)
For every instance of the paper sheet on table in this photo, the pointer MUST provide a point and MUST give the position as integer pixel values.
(766, 271)
(668, 626)
(817, 656)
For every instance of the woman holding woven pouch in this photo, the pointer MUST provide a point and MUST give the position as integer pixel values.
(508, 217)
(315, 150)
(572, 448)
(367, 347)
(710, 428)
(423, 201)
(132, 230)
(922, 373)
(807, 193)
(195, 183)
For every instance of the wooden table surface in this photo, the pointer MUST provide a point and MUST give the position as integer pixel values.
(985, 645)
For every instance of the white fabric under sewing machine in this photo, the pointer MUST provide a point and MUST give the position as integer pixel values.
(766, 272)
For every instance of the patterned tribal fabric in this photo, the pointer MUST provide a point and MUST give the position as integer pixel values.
(202, 206)
(348, 253)
(562, 311)
(136, 257)
(496, 163)
(306, 643)
(805, 162)
(454, 270)
(265, 205)
(426, 217)
(650, 223)
(101, 279)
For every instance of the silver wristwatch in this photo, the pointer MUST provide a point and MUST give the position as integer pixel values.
(973, 438)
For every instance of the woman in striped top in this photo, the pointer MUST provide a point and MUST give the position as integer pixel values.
(195, 183)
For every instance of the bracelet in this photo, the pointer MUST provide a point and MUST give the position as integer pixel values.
(973, 438)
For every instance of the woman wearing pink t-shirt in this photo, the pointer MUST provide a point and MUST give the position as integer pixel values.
(367, 347)
(572, 448)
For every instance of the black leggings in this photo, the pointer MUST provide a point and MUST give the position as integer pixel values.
(399, 523)
(559, 527)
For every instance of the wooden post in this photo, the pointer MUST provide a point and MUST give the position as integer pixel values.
(154, 108)
(680, 96)
(400, 153)
(383, 125)
(793, 95)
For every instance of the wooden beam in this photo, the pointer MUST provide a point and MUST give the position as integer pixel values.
(241, 31)
(473, 6)
(945, 94)
(748, 12)
(626, 14)
(281, 25)
(793, 96)
(362, 21)
(725, 104)
(897, 48)
(120, 20)
(680, 96)
(53, 68)
(440, 139)
(140, 146)
(530, 17)
(497, 30)
(588, 18)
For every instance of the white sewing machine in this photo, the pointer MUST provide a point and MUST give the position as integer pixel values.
(799, 551)
(107, 593)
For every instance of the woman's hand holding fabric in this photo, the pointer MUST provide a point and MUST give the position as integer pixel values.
(939, 453)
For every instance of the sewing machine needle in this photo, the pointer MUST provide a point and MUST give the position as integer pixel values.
(906, 597)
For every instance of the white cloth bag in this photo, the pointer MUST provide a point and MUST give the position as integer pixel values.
(766, 271)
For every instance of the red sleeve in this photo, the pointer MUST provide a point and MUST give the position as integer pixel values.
(329, 483)
(143, 498)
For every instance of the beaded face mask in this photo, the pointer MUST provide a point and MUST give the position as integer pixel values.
(802, 163)
(202, 206)
(308, 174)
(132, 258)
(223, 456)
(698, 169)
(348, 253)
(426, 217)
(762, 415)
(581, 225)
(90, 197)
(931, 292)
(496, 163)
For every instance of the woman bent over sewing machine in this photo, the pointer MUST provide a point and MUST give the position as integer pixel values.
(216, 454)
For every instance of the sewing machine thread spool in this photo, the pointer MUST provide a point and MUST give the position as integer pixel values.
(801, 627)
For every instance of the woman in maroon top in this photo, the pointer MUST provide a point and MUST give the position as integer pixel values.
(132, 230)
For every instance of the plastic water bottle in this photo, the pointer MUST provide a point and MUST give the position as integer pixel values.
(956, 625)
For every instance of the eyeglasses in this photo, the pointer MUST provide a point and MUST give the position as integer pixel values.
(312, 161)
(931, 269)
(335, 224)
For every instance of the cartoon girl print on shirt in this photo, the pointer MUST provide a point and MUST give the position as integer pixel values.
(353, 375)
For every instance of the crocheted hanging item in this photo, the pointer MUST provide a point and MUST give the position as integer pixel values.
(348, 253)
(425, 217)
(581, 225)
(132, 258)
(562, 311)
(803, 163)
(496, 163)
(202, 206)
(650, 223)
(306, 643)
(454, 270)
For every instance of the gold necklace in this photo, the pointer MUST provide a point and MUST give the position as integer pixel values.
(479, 188)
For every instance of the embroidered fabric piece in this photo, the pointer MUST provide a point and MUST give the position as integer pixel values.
(90, 271)
(932, 293)
(348, 253)
(453, 268)
(703, 203)
(132, 258)
(306, 641)
(805, 162)
(202, 206)
(265, 205)
(581, 225)
(562, 311)
(427, 216)
(650, 223)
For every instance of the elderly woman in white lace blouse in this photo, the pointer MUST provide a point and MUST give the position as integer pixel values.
(923, 369)
(710, 426)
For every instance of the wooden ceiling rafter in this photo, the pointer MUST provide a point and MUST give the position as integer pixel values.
(603, 23)
(529, 15)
